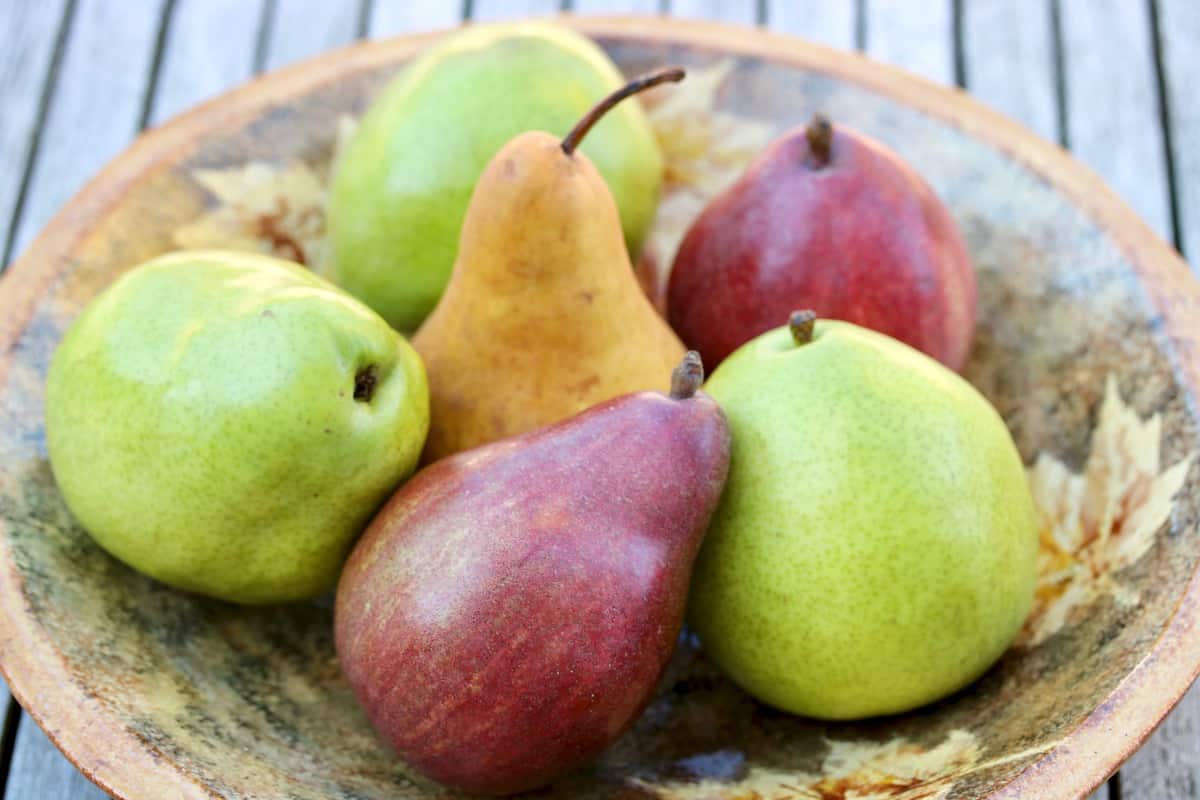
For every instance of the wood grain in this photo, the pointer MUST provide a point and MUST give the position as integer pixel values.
(24, 69)
(1179, 35)
(97, 103)
(299, 29)
(738, 12)
(1168, 764)
(829, 22)
(918, 42)
(39, 771)
(1008, 60)
(32, 27)
(489, 10)
(1113, 115)
(209, 48)
(95, 109)
(394, 17)
(615, 6)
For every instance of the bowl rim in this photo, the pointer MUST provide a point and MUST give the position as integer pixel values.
(79, 724)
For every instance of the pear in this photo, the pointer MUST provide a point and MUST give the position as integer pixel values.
(543, 315)
(509, 611)
(829, 219)
(876, 545)
(228, 423)
(403, 181)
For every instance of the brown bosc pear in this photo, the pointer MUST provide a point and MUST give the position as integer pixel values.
(543, 315)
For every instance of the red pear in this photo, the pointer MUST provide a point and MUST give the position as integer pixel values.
(828, 219)
(508, 612)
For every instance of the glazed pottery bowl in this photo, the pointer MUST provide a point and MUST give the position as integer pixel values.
(1086, 345)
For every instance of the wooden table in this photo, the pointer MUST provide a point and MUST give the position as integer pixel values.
(1108, 79)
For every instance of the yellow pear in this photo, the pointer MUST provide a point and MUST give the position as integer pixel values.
(543, 316)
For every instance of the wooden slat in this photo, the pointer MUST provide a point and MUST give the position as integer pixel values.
(209, 48)
(485, 10)
(97, 102)
(1179, 36)
(1168, 764)
(830, 22)
(1008, 60)
(32, 28)
(615, 6)
(300, 29)
(96, 106)
(394, 17)
(1112, 109)
(742, 12)
(920, 40)
(39, 771)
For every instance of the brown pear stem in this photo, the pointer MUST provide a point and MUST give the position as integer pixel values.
(664, 75)
(801, 324)
(687, 377)
(820, 139)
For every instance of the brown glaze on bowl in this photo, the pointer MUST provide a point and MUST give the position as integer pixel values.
(156, 694)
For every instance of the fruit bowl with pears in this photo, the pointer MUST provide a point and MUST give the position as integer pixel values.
(600, 408)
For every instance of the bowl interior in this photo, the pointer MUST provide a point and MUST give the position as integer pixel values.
(250, 703)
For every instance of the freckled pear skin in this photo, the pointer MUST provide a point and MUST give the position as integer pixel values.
(543, 316)
(508, 613)
(203, 423)
(876, 544)
(828, 219)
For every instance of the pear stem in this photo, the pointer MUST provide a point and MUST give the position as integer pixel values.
(639, 84)
(687, 377)
(820, 139)
(801, 324)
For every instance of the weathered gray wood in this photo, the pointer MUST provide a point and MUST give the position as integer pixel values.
(1008, 60)
(485, 10)
(615, 6)
(300, 29)
(209, 48)
(95, 108)
(1168, 764)
(915, 37)
(737, 11)
(31, 28)
(394, 17)
(1179, 34)
(40, 772)
(96, 105)
(830, 22)
(1113, 116)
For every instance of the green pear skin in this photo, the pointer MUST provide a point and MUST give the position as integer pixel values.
(403, 180)
(203, 424)
(875, 548)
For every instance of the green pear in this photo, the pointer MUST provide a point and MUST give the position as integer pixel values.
(228, 423)
(875, 548)
(403, 180)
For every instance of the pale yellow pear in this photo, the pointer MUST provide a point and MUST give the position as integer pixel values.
(543, 316)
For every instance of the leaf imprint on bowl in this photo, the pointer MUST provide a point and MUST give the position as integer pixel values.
(1096, 523)
(704, 151)
(261, 207)
(894, 770)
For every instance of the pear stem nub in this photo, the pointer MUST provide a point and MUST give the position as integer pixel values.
(801, 323)
(664, 75)
(820, 139)
(687, 377)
